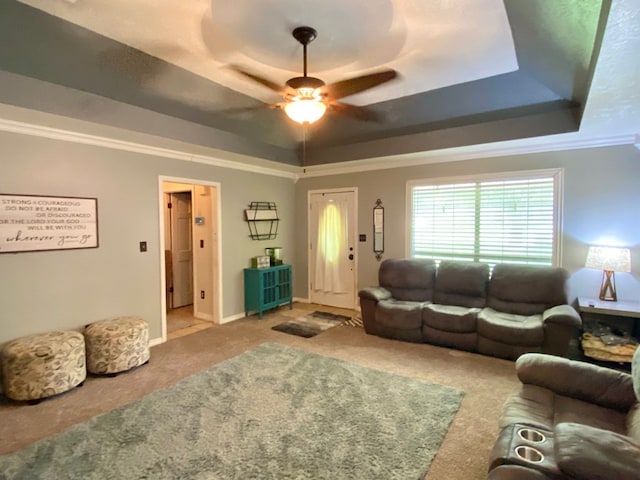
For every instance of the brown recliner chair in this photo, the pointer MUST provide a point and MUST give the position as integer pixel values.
(589, 417)
(394, 308)
(527, 311)
(459, 294)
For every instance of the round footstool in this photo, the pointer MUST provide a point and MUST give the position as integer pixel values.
(39, 366)
(116, 344)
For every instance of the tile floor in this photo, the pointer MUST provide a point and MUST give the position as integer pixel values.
(181, 322)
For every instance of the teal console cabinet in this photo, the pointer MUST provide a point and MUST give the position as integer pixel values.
(266, 288)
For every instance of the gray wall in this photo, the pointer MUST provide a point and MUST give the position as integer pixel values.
(42, 291)
(601, 205)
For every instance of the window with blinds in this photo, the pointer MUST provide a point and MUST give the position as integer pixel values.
(491, 220)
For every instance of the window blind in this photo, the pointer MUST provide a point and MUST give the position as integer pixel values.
(492, 221)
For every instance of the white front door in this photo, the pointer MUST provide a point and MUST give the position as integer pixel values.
(332, 248)
(181, 249)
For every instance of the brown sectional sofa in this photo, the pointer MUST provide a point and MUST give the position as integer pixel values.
(514, 310)
(589, 416)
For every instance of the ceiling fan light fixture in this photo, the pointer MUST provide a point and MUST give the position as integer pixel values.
(305, 110)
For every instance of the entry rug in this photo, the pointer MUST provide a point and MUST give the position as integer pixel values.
(308, 326)
(273, 412)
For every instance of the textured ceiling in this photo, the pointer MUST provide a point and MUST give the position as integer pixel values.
(460, 41)
(471, 72)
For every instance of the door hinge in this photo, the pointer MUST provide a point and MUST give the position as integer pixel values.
(170, 289)
(169, 205)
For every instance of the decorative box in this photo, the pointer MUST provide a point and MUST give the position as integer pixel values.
(262, 261)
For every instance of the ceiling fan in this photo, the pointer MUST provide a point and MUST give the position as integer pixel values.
(306, 99)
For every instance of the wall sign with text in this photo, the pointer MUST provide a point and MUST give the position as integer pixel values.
(31, 223)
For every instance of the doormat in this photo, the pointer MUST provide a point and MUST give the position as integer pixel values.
(310, 325)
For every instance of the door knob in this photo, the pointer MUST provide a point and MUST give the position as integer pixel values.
(351, 256)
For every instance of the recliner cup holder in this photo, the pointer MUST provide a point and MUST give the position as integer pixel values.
(531, 435)
(530, 454)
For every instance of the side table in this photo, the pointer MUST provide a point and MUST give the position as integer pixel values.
(266, 288)
(610, 329)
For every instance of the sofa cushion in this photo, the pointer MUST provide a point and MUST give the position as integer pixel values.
(399, 314)
(633, 422)
(450, 318)
(509, 328)
(408, 279)
(525, 289)
(585, 452)
(461, 283)
(460, 341)
(592, 383)
(571, 410)
(498, 349)
(541, 408)
(530, 405)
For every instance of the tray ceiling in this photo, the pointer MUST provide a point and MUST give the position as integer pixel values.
(472, 71)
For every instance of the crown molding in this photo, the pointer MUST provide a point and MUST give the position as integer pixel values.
(499, 149)
(275, 169)
(571, 141)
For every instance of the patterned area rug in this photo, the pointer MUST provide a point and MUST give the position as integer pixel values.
(308, 326)
(273, 412)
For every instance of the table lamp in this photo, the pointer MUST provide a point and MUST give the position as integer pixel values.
(609, 260)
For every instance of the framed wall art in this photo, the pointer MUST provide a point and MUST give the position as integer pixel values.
(30, 223)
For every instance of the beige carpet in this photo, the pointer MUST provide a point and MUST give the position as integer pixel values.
(464, 453)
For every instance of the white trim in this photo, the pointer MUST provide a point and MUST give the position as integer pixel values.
(232, 318)
(510, 175)
(457, 154)
(275, 169)
(161, 226)
(569, 141)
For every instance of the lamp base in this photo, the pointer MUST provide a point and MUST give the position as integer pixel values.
(608, 287)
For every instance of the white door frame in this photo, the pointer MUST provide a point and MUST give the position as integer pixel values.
(354, 190)
(217, 255)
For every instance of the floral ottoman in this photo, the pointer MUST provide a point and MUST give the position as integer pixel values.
(116, 344)
(42, 365)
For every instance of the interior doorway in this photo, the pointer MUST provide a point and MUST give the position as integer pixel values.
(178, 249)
(332, 247)
(190, 253)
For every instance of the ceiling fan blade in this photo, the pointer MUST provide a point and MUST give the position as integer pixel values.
(256, 78)
(355, 112)
(355, 85)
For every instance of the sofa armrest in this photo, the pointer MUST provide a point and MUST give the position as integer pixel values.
(375, 293)
(603, 386)
(562, 314)
(515, 472)
(585, 452)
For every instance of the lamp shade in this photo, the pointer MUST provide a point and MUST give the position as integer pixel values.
(613, 259)
(305, 110)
